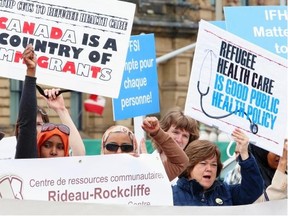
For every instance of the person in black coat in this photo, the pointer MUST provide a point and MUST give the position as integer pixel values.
(27, 134)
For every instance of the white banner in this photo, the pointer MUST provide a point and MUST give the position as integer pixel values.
(80, 45)
(235, 83)
(30, 207)
(8, 147)
(106, 179)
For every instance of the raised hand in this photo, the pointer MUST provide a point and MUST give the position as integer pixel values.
(54, 101)
(242, 142)
(30, 59)
(151, 125)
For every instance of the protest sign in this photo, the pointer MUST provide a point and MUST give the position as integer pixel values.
(265, 26)
(8, 147)
(80, 45)
(139, 94)
(233, 84)
(106, 179)
(219, 23)
(32, 207)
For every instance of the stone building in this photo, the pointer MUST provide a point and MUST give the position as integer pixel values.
(174, 24)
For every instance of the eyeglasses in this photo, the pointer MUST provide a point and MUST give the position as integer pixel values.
(114, 147)
(50, 126)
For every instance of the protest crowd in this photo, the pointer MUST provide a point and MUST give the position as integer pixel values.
(192, 165)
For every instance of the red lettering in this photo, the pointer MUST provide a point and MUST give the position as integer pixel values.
(3, 21)
(28, 28)
(18, 57)
(56, 33)
(69, 66)
(43, 62)
(95, 71)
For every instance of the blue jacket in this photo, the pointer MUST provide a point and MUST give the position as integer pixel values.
(191, 193)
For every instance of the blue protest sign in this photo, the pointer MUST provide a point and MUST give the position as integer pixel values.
(220, 24)
(265, 26)
(139, 94)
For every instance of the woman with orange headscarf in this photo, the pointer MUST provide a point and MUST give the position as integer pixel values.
(53, 141)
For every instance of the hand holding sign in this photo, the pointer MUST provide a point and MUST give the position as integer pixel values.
(242, 142)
